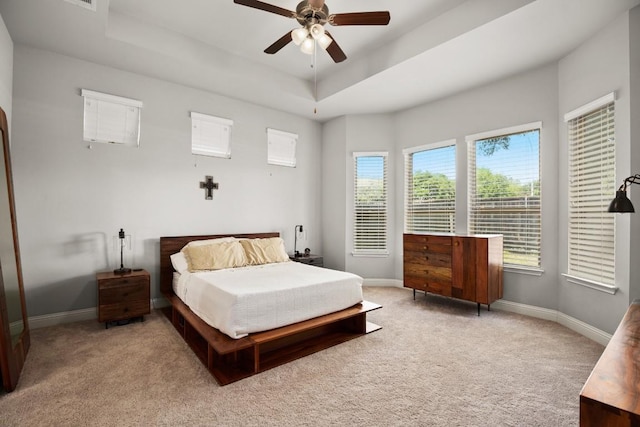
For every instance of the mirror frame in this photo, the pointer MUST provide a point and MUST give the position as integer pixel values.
(11, 356)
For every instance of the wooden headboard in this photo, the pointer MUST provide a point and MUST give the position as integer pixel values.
(172, 245)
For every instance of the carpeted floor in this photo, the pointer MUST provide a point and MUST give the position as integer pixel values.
(434, 363)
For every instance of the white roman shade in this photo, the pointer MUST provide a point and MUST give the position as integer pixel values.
(281, 148)
(430, 188)
(210, 135)
(370, 203)
(591, 188)
(110, 118)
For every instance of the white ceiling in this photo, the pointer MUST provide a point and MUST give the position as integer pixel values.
(430, 49)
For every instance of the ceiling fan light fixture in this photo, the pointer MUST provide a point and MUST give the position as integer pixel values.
(308, 46)
(299, 35)
(316, 31)
(324, 41)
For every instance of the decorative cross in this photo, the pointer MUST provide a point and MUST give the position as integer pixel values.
(209, 186)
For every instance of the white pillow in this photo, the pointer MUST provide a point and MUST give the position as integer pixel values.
(179, 262)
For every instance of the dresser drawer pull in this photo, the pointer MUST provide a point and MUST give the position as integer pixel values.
(425, 247)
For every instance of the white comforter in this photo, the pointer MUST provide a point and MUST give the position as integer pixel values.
(239, 301)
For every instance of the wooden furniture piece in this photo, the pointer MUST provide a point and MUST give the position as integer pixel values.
(123, 296)
(229, 359)
(467, 267)
(611, 395)
(14, 328)
(316, 260)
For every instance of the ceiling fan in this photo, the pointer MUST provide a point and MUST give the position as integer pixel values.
(313, 15)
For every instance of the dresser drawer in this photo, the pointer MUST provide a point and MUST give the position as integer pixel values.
(428, 239)
(427, 247)
(436, 286)
(435, 259)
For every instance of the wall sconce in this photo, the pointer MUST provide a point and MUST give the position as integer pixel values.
(621, 203)
(295, 240)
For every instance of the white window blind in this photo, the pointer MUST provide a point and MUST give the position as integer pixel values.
(430, 188)
(210, 135)
(504, 190)
(591, 188)
(111, 119)
(281, 148)
(370, 204)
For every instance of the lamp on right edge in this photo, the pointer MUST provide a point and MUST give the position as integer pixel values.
(621, 203)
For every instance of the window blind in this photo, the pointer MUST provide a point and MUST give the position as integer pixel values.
(110, 118)
(504, 191)
(430, 188)
(591, 188)
(370, 204)
(281, 148)
(210, 135)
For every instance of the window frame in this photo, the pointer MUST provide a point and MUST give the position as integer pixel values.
(381, 251)
(204, 142)
(408, 154)
(471, 179)
(574, 275)
(102, 110)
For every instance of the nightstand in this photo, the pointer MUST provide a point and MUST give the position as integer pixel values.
(123, 296)
(316, 260)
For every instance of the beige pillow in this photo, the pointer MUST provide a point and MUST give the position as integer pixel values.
(264, 251)
(209, 241)
(215, 256)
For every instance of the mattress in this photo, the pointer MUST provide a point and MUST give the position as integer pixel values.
(240, 301)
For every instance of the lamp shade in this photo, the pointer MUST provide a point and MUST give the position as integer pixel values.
(324, 41)
(621, 203)
(308, 46)
(299, 35)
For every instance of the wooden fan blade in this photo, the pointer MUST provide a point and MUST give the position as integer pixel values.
(279, 44)
(266, 7)
(360, 18)
(334, 51)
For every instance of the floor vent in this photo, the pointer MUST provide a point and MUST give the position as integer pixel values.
(87, 4)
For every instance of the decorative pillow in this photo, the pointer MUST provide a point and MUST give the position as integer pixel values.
(264, 251)
(215, 256)
(179, 262)
(209, 241)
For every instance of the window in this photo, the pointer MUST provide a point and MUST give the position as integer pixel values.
(504, 190)
(281, 148)
(111, 119)
(210, 136)
(370, 204)
(591, 188)
(430, 188)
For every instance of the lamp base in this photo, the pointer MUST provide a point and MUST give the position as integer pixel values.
(122, 270)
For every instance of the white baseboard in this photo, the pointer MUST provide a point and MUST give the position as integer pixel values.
(572, 323)
(393, 283)
(60, 318)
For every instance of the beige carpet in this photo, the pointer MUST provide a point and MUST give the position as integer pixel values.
(434, 363)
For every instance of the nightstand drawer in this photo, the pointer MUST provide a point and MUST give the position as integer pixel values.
(124, 310)
(129, 290)
(316, 260)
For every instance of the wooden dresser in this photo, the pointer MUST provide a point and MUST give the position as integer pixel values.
(123, 296)
(468, 267)
(611, 395)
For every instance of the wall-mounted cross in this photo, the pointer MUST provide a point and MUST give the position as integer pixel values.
(209, 186)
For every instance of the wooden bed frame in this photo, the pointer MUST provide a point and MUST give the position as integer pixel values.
(229, 359)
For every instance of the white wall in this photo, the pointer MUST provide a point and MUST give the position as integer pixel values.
(334, 192)
(71, 200)
(6, 71)
(599, 66)
(518, 100)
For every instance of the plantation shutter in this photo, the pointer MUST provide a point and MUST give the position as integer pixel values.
(591, 188)
(430, 188)
(210, 135)
(370, 204)
(504, 190)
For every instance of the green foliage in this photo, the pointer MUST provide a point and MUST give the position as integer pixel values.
(429, 186)
(491, 145)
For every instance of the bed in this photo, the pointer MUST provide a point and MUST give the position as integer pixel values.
(235, 350)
